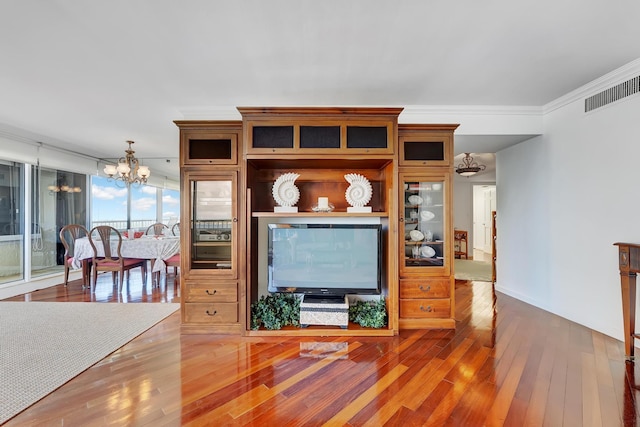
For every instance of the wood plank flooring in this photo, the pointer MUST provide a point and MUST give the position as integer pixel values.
(507, 363)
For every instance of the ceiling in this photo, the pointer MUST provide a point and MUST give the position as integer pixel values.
(89, 75)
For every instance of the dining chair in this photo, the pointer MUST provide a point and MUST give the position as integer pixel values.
(173, 261)
(157, 228)
(113, 260)
(68, 235)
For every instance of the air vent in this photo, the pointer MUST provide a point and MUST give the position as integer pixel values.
(612, 94)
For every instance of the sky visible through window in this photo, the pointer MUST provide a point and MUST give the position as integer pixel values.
(109, 202)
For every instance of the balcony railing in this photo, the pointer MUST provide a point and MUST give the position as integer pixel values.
(140, 225)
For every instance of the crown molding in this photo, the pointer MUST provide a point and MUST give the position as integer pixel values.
(624, 73)
(467, 110)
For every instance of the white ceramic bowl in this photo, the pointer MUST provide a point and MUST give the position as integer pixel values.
(415, 200)
(427, 251)
(427, 215)
(416, 235)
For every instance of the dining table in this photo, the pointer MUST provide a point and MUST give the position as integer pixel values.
(154, 248)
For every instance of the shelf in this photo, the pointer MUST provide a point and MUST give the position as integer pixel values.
(422, 242)
(422, 206)
(427, 262)
(318, 214)
(213, 243)
(215, 264)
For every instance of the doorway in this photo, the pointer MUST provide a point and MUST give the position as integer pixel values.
(484, 203)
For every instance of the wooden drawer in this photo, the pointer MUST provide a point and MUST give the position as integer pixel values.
(210, 313)
(425, 288)
(211, 292)
(425, 308)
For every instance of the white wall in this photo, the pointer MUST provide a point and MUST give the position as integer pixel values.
(559, 216)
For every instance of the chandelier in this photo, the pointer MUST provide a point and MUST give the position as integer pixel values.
(468, 166)
(129, 169)
(62, 186)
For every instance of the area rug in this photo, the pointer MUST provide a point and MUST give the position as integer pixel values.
(472, 270)
(45, 344)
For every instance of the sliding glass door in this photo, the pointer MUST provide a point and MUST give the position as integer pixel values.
(57, 198)
(11, 224)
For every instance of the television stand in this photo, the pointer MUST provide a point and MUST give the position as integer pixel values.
(326, 310)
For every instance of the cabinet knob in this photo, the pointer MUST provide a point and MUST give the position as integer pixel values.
(235, 219)
(209, 293)
(401, 219)
(428, 309)
(212, 314)
(423, 289)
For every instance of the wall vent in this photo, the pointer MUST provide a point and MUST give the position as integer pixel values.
(612, 94)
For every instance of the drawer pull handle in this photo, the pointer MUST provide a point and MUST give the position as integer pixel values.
(425, 290)
(212, 314)
(209, 293)
(428, 309)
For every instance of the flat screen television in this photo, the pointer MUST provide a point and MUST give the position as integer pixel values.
(325, 259)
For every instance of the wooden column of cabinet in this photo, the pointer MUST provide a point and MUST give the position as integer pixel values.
(425, 216)
(212, 227)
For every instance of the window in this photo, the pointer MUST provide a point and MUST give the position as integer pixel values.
(11, 208)
(108, 203)
(136, 206)
(170, 207)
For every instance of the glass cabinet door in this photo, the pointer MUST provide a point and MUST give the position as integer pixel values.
(213, 224)
(424, 217)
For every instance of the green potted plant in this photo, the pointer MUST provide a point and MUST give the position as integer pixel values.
(275, 311)
(369, 314)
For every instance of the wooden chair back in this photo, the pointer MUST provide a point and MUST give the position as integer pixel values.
(157, 228)
(68, 235)
(113, 260)
(175, 229)
(103, 235)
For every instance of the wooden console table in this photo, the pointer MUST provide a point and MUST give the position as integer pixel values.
(629, 265)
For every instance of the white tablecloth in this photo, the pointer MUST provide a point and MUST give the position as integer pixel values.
(146, 247)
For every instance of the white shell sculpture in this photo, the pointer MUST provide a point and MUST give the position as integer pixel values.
(359, 192)
(284, 191)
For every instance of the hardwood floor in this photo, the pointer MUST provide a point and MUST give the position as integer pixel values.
(507, 363)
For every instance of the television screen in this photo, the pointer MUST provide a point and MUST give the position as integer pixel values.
(325, 259)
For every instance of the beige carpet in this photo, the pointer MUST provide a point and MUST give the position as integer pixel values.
(472, 270)
(45, 344)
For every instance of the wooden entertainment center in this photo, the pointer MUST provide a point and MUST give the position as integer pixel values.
(228, 169)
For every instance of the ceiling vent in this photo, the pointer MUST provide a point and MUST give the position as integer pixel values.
(612, 94)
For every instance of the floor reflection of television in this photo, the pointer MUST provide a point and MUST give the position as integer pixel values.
(325, 259)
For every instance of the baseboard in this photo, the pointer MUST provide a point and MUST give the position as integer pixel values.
(11, 289)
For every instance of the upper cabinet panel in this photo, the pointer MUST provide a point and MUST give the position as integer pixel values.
(209, 143)
(300, 131)
(425, 145)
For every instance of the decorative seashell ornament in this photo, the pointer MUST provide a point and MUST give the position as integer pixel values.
(359, 193)
(284, 191)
